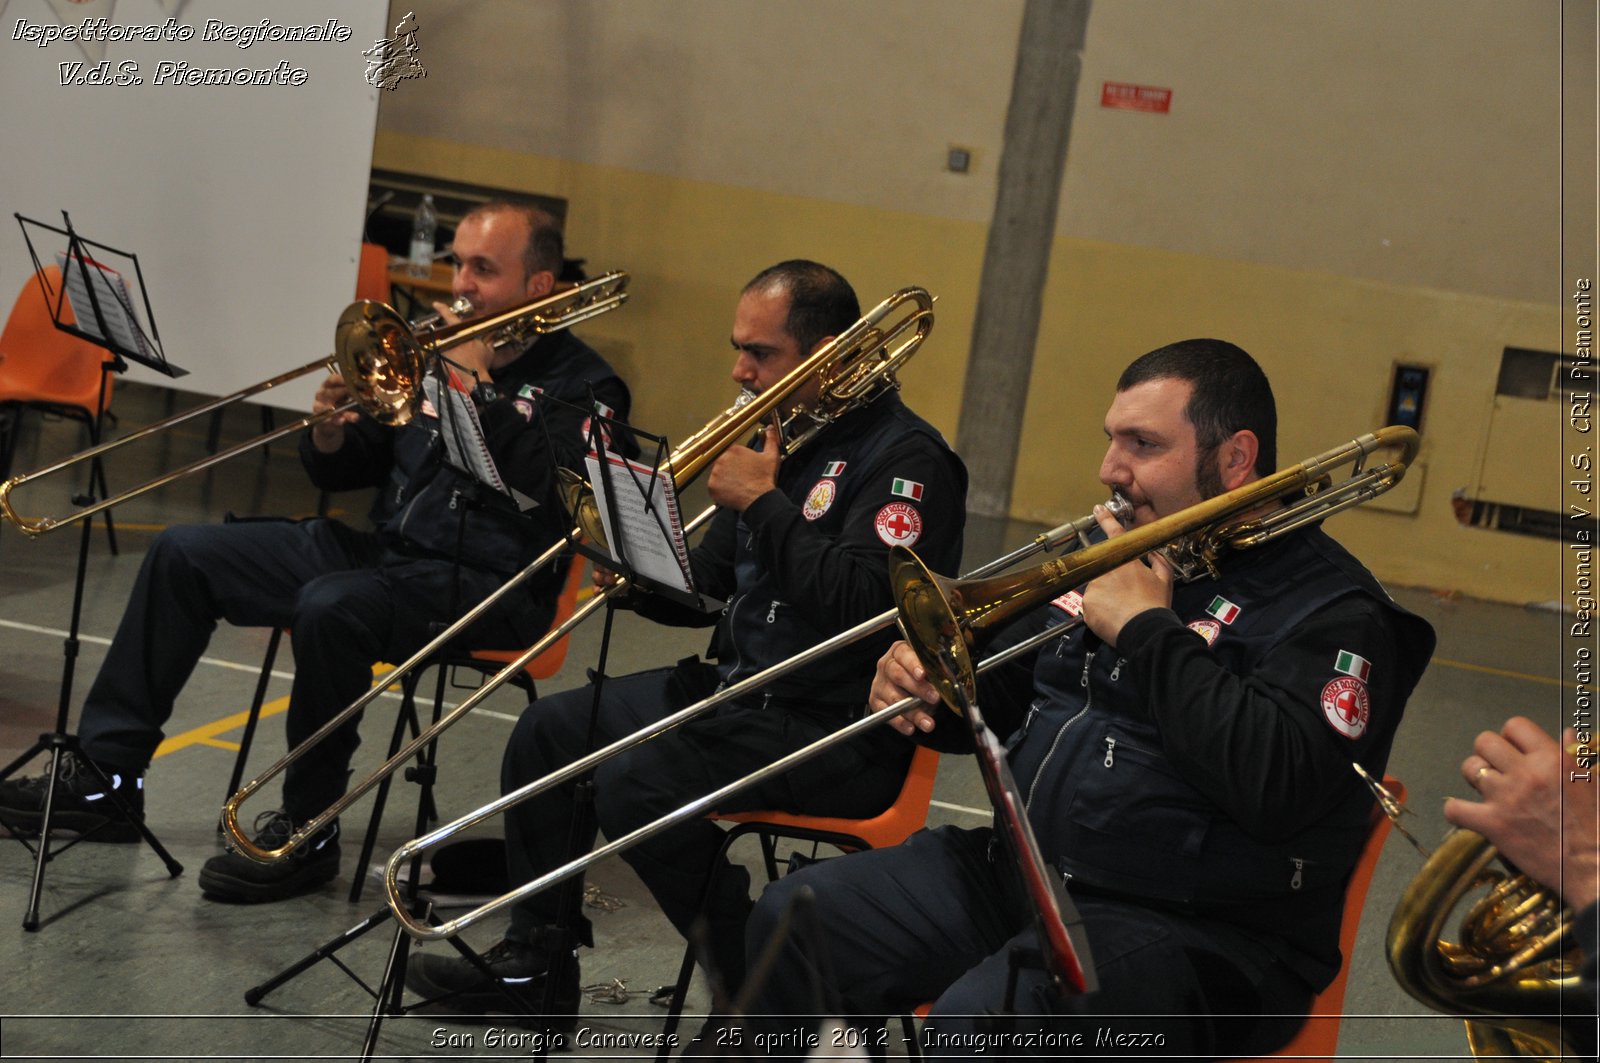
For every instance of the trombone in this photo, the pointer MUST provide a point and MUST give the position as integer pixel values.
(853, 369)
(382, 361)
(1194, 540)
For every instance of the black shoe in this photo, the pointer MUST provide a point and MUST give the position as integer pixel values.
(461, 987)
(81, 805)
(232, 877)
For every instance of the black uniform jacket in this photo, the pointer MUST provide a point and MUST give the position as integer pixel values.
(1204, 764)
(810, 558)
(418, 510)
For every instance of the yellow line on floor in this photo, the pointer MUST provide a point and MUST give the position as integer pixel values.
(1505, 672)
(206, 734)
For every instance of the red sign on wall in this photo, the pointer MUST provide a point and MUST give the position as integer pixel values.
(1135, 97)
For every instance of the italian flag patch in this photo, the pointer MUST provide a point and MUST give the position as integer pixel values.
(906, 489)
(833, 468)
(1223, 609)
(1351, 664)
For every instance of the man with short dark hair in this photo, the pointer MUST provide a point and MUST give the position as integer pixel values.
(1185, 756)
(799, 553)
(352, 598)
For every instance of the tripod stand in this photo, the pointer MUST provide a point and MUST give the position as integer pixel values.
(102, 315)
(58, 743)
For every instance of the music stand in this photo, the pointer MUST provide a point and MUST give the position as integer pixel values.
(112, 324)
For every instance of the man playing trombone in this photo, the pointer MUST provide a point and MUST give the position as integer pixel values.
(1185, 758)
(799, 553)
(352, 598)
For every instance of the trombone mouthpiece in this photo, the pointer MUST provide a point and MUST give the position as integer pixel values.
(1120, 508)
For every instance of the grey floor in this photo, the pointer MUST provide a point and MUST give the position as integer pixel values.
(130, 963)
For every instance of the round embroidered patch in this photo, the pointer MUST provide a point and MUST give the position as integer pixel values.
(898, 524)
(818, 501)
(1345, 704)
(1206, 629)
(1070, 603)
(524, 407)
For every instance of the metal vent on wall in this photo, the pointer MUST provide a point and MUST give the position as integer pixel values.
(1516, 491)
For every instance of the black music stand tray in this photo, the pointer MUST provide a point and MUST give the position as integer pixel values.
(110, 327)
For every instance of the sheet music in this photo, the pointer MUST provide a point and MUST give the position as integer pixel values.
(464, 440)
(647, 526)
(116, 304)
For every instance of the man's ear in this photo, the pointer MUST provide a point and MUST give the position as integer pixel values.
(823, 342)
(1236, 459)
(540, 284)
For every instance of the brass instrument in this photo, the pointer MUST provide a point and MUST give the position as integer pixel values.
(380, 358)
(1194, 539)
(1508, 966)
(852, 369)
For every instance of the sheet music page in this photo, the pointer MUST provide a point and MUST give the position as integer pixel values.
(116, 304)
(647, 526)
(464, 440)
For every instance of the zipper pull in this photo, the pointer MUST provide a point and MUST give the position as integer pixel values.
(1111, 748)
(1116, 669)
(454, 495)
(772, 613)
(1088, 660)
(1299, 872)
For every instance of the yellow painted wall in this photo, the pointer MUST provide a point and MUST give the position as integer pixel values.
(1328, 342)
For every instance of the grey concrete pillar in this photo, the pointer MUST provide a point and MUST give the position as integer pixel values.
(1015, 262)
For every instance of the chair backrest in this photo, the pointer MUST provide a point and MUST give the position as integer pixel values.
(893, 825)
(550, 661)
(1319, 1037)
(372, 273)
(43, 366)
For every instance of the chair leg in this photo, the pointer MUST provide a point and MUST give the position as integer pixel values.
(255, 714)
(913, 1041)
(214, 433)
(680, 989)
(404, 723)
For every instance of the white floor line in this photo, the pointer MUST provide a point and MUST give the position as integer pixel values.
(986, 813)
(217, 662)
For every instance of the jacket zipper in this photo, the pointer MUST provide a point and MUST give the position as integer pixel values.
(1055, 743)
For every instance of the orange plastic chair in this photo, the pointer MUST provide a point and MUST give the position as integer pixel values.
(372, 273)
(907, 815)
(44, 368)
(550, 661)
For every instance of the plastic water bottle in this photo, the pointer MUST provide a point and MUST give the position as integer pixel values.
(423, 226)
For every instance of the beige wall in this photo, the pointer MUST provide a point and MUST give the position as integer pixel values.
(1338, 187)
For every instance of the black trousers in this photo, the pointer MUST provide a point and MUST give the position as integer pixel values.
(935, 920)
(348, 601)
(856, 778)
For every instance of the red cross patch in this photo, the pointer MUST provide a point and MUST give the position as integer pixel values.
(898, 524)
(1345, 705)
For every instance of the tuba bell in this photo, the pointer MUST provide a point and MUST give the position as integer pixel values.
(1513, 964)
